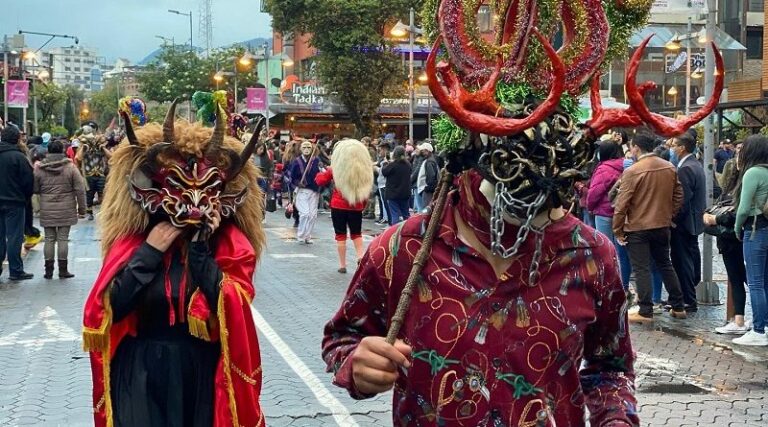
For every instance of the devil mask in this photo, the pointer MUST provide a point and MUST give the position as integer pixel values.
(188, 186)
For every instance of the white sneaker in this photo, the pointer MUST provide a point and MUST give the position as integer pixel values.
(752, 338)
(732, 329)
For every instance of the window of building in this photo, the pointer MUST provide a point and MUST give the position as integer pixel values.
(77, 59)
(485, 19)
(755, 43)
(67, 68)
(77, 68)
(87, 78)
(87, 86)
(67, 51)
(755, 6)
(67, 59)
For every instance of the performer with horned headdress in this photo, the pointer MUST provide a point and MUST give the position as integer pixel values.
(168, 321)
(518, 315)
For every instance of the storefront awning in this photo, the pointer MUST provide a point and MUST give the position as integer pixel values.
(663, 34)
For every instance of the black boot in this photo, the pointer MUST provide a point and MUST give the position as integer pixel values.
(63, 272)
(49, 269)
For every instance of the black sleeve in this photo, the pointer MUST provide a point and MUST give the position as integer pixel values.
(140, 271)
(388, 168)
(204, 271)
(26, 177)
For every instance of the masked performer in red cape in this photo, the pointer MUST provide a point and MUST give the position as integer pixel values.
(168, 321)
(518, 314)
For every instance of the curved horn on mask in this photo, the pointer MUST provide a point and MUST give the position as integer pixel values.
(170, 118)
(219, 131)
(129, 133)
(249, 149)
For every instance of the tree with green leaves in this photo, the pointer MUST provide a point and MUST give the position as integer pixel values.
(50, 101)
(178, 73)
(103, 104)
(355, 58)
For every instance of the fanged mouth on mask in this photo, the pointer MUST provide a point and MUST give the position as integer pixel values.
(189, 188)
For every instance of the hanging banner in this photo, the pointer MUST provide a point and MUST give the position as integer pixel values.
(18, 93)
(256, 100)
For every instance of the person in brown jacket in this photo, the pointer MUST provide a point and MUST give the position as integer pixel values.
(62, 199)
(649, 197)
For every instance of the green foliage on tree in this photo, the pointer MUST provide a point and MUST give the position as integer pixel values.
(70, 121)
(104, 103)
(179, 73)
(50, 103)
(355, 59)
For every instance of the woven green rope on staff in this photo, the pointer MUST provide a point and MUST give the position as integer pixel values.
(513, 97)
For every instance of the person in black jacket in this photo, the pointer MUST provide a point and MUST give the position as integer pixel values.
(689, 222)
(732, 250)
(17, 180)
(398, 188)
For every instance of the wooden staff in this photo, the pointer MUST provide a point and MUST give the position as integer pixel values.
(421, 258)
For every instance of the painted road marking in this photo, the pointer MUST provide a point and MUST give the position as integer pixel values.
(287, 256)
(322, 394)
(56, 331)
(87, 259)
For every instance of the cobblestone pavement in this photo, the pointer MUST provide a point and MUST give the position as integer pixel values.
(686, 376)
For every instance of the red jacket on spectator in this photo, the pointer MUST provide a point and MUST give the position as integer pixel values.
(337, 200)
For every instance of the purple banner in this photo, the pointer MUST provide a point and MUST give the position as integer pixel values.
(256, 100)
(18, 93)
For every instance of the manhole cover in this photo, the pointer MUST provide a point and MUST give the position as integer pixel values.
(673, 389)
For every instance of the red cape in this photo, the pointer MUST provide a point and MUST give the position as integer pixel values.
(238, 375)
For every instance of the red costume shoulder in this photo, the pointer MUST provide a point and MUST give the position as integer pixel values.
(238, 374)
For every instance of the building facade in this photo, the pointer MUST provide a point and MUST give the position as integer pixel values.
(75, 65)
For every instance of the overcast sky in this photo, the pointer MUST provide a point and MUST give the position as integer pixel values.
(127, 28)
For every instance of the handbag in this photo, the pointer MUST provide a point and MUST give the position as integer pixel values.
(289, 211)
(718, 209)
(271, 203)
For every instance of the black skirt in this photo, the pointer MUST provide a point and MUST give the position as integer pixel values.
(165, 378)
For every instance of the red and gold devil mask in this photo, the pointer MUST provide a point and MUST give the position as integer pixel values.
(189, 186)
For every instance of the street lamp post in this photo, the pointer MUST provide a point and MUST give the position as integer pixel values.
(191, 48)
(399, 30)
(709, 293)
(411, 40)
(688, 69)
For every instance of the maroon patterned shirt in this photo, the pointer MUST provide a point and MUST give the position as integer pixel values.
(495, 351)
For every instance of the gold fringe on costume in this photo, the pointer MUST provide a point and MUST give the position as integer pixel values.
(98, 339)
(122, 216)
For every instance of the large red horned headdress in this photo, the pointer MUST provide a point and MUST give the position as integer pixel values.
(472, 62)
(517, 91)
(188, 183)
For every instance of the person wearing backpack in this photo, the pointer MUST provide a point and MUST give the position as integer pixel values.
(751, 220)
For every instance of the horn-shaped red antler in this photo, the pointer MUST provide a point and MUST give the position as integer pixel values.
(638, 112)
(470, 111)
(665, 126)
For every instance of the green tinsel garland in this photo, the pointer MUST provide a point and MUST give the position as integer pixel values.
(513, 96)
(448, 136)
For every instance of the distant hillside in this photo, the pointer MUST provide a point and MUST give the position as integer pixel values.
(252, 44)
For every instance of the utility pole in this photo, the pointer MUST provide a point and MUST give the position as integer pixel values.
(708, 292)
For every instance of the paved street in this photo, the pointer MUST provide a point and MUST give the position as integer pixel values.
(686, 375)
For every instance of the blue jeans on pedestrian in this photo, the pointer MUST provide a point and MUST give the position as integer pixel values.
(12, 237)
(604, 225)
(418, 205)
(398, 208)
(756, 257)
